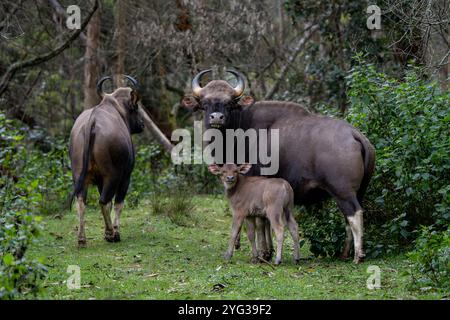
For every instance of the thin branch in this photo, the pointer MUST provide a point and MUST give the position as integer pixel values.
(17, 66)
(298, 48)
(63, 15)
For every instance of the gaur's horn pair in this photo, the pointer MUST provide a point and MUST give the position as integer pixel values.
(238, 90)
(102, 80)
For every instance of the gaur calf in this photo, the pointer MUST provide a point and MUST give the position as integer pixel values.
(258, 197)
(102, 153)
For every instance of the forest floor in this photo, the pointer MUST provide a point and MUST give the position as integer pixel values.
(158, 259)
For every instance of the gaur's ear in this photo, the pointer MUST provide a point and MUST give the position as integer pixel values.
(244, 168)
(246, 101)
(214, 169)
(134, 97)
(189, 102)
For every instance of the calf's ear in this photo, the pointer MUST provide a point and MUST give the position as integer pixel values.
(189, 102)
(246, 101)
(244, 168)
(214, 169)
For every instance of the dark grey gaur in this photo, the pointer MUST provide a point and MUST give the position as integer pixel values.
(319, 156)
(101, 153)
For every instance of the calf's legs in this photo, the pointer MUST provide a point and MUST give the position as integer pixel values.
(250, 223)
(293, 230)
(263, 251)
(238, 219)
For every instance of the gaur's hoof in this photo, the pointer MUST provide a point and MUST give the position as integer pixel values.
(359, 259)
(267, 255)
(227, 257)
(116, 237)
(109, 237)
(296, 261)
(254, 260)
(277, 262)
(237, 245)
(344, 257)
(82, 243)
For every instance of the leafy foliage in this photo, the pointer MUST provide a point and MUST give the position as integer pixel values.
(22, 195)
(408, 123)
(431, 260)
(324, 228)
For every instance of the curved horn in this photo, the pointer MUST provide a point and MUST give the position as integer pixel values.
(132, 80)
(100, 85)
(239, 89)
(196, 88)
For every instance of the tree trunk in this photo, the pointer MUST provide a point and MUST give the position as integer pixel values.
(91, 62)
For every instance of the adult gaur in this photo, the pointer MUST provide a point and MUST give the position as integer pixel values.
(101, 153)
(318, 155)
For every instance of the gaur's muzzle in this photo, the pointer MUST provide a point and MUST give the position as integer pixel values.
(216, 119)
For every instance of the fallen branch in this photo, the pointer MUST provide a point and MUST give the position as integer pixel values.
(11, 71)
(155, 131)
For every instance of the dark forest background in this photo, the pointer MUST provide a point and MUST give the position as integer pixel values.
(391, 83)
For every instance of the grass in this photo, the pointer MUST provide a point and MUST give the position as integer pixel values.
(158, 259)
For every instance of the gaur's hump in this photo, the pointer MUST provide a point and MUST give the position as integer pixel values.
(119, 94)
(280, 106)
(122, 92)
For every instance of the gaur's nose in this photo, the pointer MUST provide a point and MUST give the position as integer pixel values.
(216, 116)
(230, 178)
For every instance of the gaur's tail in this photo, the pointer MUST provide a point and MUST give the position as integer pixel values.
(89, 137)
(368, 153)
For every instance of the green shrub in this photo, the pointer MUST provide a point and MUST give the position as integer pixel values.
(431, 260)
(22, 198)
(177, 205)
(154, 172)
(324, 227)
(408, 122)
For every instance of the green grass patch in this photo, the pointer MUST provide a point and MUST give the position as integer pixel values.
(159, 259)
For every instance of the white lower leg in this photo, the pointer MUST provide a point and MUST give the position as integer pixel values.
(117, 211)
(106, 212)
(356, 224)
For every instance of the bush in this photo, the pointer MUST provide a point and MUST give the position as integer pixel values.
(154, 173)
(22, 195)
(408, 123)
(431, 260)
(324, 227)
(176, 205)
